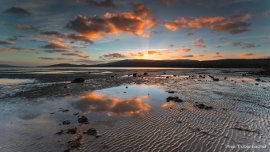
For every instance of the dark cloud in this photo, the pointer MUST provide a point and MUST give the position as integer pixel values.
(102, 4)
(232, 27)
(7, 43)
(244, 45)
(70, 37)
(55, 45)
(114, 23)
(74, 54)
(14, 49)
(22, 26)
(17, 11)
(199, 43)
(112, 56)
(46, 58)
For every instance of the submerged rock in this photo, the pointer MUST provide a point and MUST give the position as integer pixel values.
(174, 99)
(78, 80)
(172, 92)
(66, 122)
(76, 143)
(134, 74)
(203, 106)
(83, 119)
(60, 132)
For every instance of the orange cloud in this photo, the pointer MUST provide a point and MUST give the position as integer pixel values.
(136, 23)
(234, 25)
(245, 54)
(54, 44)
(199, 43)
(113, 106)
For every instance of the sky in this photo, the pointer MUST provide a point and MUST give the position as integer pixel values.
(44, 32)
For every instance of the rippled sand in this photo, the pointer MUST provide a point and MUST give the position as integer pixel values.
(137, 117)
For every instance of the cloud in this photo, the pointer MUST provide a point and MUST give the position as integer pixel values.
(61, 37)
(7, 43)
(136, 23)
(199, 43)
(13, 50)
(113, 56)
(168, 2)
(244, 45)
(93, 102)
(266, 13)
(52, 44)
(75, 54)
(22, 26)
(234, 25)
(245, 54)
(17, 11)
(52, 59)
(102, 4)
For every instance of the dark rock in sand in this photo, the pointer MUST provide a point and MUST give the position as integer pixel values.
(75, 143)
(83, 119)
(145, 73)
(72, 130)
(91, 131)
(203, 106)
(172, 92)
(167, 77)
(258, 80)
(66, 122)
(164, 73)
(174, 99)
(78, 80)
(126, 87)
(63, 110)
(112, 76)
(134, 74)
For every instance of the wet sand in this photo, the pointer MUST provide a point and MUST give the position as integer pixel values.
(158, 110)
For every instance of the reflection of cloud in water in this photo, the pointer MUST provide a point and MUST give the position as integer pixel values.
(114, 106)
(168, 105)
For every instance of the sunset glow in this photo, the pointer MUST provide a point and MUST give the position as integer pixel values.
(102, 31)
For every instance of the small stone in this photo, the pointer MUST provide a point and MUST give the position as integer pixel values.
(91, 131)
(174, 99)
(66, 122)
(134, 74)
(145, 73)
(83, 119)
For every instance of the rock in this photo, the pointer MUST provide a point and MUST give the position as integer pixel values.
(126, 87)
(112, 76)
(174, 99)
(167, 77)
(75, 143)
(72, 130)
(134, 74)
(66, 122)
(78, 80)
(174, 75)
(60, 132)
(145, 73)
(75, 114)
(83, 120)
(63, 110)
(215, 79)
(172, 92)
(91, 131)
(258, 80)
(164, 73)
(203, 106)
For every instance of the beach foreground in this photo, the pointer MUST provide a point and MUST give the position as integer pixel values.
(134, 110)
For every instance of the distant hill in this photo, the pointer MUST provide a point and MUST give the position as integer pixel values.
(226, 63)
(7, 66)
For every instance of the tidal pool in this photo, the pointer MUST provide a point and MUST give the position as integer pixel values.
(125, 100)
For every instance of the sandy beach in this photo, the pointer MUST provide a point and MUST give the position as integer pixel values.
(134, 110)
